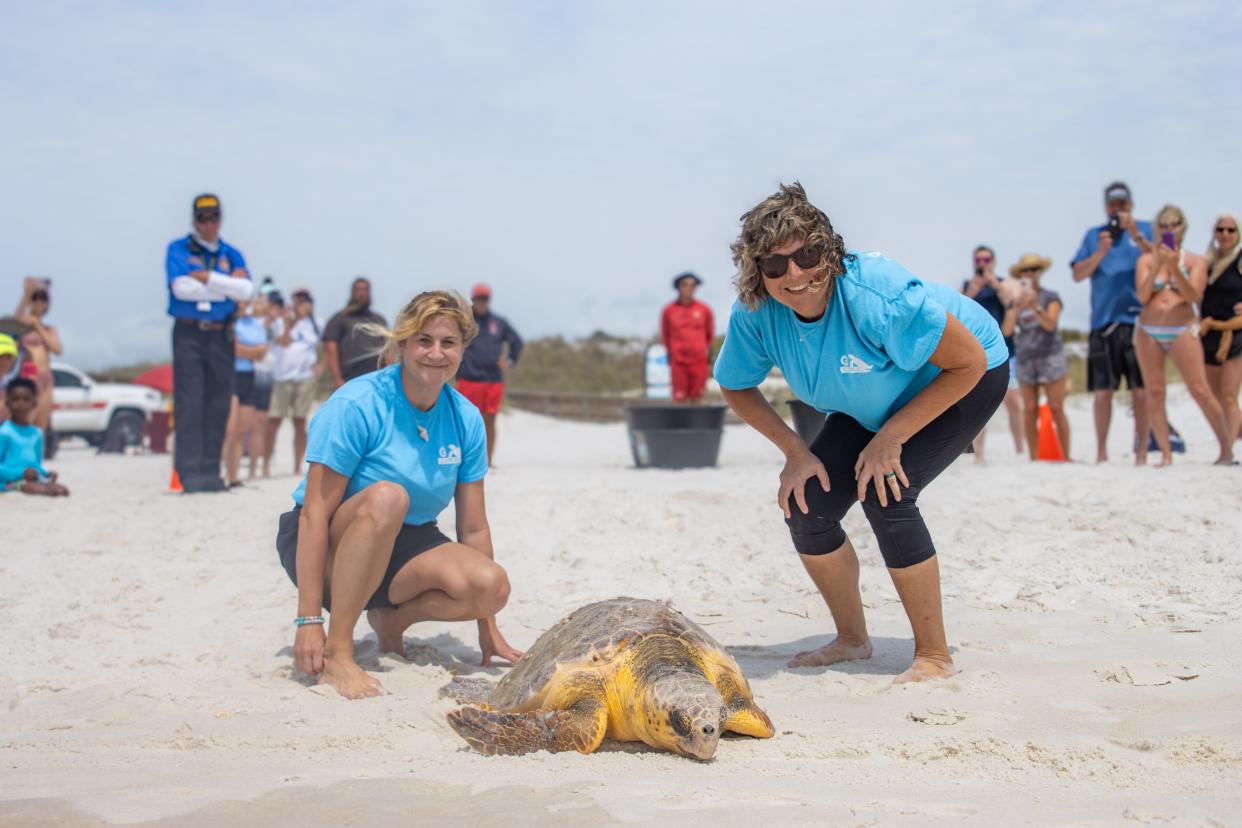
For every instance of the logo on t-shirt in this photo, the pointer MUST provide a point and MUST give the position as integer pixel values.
(450, 455)
(851, 364)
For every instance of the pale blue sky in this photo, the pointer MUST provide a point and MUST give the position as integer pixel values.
(577, 155)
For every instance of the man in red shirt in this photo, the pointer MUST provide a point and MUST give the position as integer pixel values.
(687, 330)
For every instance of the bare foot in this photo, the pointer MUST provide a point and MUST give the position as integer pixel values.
(386, 632)
(1224, 460)
(831, 654)
(350, 680)
(1103, 458)
(926, 668)
(1165, 460)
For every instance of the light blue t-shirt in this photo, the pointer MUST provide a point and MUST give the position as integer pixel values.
(21, 448)
(1113, 296)
(249, 331)
(867, 356)
(368, 431)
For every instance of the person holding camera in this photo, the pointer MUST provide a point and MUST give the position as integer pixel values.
(1108, 256)
(296, 371)
(40, 342)
(1031, 318)
(206, 278)
(1170, 282)
(984, 287)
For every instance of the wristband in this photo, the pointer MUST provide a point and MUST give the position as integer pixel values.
(303, 620)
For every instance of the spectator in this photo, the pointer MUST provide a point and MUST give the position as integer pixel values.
(40, 342)
(21, 445)
(349, 350)
(687, 330)
(482, 374)
(8, 369)
(1108, 256)
(245, 423)
(983, 287)
(296, 369)
(206, 277)
(1222, 306)
(1170, 282)
(270, 307)
(1031, 320)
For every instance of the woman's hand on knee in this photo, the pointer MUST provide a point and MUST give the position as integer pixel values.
(308, 649)
(880, 463)
(799, 468)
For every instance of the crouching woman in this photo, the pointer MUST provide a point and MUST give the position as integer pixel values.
(386, 454)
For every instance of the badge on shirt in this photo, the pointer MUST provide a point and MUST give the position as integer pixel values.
(450, 455)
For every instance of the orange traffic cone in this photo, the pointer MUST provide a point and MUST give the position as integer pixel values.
(1049, 443)
(174, 485)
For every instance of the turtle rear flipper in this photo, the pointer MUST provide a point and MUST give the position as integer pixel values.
(579, 728)
(467, 690)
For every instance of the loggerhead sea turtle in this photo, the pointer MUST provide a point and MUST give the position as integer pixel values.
(629, 669)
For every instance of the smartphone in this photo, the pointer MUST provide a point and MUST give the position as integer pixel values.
(1169, 240)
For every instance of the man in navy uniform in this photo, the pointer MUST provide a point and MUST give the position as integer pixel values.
(206, 279)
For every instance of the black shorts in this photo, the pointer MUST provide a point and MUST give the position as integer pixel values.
(899, 528)
(411, 542)
(243, 387)
(262, 392)
(1211, 342)
(1110, 357)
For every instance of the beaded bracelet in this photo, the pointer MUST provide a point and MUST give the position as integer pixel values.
(303, 620)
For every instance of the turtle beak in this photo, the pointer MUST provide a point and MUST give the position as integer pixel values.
(701, 742)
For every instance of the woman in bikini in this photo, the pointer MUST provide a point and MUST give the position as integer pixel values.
(40, 342)
(1170, 283)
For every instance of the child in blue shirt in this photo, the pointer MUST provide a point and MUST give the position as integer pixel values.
(21, 445)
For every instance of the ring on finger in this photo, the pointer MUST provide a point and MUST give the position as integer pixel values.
(890, 475)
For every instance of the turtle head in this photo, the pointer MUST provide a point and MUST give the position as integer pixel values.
(684, 714)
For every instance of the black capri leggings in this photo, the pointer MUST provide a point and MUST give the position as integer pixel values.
(899, 528)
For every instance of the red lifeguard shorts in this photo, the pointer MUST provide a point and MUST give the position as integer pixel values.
(486, 396)
(689, 379)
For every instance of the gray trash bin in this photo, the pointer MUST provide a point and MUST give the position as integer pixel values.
(675, 436)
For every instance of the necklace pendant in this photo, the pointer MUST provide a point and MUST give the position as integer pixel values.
(422, 432)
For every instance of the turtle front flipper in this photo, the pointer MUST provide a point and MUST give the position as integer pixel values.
(745, 717)
(580, 727)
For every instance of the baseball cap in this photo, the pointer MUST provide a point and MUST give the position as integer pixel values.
(1117, 191)
(480, 290)
(8, 345)
(304, 293)
(206, 205)
(687, 275)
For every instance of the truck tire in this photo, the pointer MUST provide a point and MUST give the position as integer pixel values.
(124, 430)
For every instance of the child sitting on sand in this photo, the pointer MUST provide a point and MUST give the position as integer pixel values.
(21, 445)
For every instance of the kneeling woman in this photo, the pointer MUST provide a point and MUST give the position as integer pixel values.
(908, 373)
(385, 456)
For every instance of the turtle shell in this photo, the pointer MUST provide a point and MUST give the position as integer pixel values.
(592, 636)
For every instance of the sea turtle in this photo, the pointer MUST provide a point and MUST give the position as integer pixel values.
(629, 669)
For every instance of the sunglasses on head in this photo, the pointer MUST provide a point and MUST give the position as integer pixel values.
(774, 265)
(1223, 229)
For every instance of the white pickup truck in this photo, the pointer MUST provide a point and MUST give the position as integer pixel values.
(112, 413)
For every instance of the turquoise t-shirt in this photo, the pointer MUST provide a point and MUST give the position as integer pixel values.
(867, 356)
(368, 432)
(21, 448)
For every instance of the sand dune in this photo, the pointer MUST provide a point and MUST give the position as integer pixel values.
(1095, 612)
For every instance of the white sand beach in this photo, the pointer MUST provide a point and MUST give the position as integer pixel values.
(1095, 613)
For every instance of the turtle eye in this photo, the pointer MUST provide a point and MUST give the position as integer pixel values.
(680, 722)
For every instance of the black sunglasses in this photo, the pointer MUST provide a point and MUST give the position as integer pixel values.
(1030, 270)
(774, 265)
(207, 218)
(1226, 229)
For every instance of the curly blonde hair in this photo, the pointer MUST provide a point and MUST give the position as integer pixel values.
(415, 316)
(786, 214)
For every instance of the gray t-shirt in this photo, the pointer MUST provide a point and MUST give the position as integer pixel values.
(358, 351)
(1031, 339)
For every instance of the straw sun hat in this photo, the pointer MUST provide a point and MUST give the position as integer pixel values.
(1028, 261)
